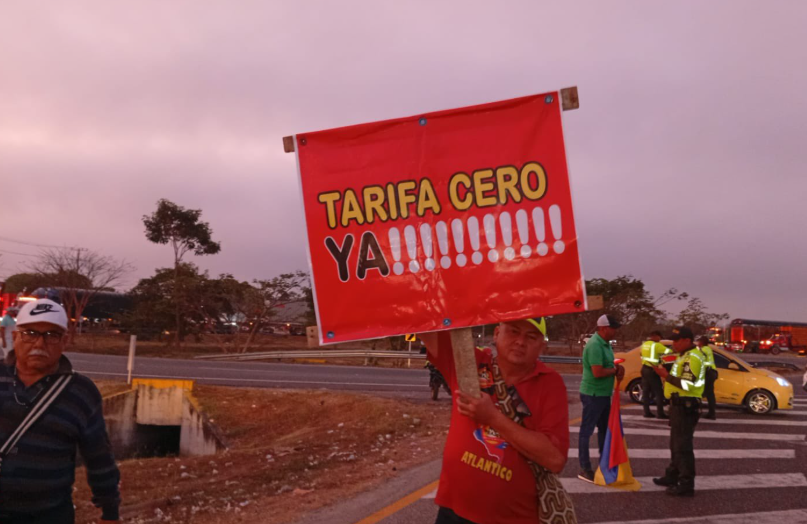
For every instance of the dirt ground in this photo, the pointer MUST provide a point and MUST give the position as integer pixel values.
(290, 452)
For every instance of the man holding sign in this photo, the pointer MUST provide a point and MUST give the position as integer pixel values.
(486, 476)
(436, 222)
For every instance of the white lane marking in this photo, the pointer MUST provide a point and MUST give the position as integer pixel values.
(702, 482)
(795, 411)
(743, 422)
(708, 434)
(269, 381)
(645, 453)
(800, 400)
(431, 495)
(769, 517)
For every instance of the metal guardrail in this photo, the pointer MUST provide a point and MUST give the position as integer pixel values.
(334, 353)
(560, 359)
(774, 364)
(351, 353)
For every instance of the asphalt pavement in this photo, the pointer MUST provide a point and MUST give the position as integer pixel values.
(751, 469)
(405, 382)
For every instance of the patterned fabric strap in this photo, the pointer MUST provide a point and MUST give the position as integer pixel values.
(554, 504)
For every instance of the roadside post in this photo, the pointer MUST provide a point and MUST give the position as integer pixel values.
(130, 365)
(441, 221)
(410, 337)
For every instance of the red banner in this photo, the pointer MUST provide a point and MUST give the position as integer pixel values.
(445, 220)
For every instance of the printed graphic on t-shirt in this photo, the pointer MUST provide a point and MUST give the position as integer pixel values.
(494, 445)
(485, 377)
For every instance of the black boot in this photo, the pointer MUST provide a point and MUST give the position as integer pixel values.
(665, 481)
(682, 489)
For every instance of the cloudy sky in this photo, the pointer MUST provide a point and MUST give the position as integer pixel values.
(687, 155)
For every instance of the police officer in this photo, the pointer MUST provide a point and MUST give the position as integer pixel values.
(652, 350)
(684, 386)
(711, 375)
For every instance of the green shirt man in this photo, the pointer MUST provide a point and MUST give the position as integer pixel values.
(598, 352)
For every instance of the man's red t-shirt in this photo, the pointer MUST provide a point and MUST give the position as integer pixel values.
(484, 479)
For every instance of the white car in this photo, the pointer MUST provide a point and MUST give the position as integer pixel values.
(586, 337)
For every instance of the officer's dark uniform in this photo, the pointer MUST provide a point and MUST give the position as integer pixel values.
(684, 387)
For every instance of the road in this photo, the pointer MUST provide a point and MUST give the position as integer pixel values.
(260, 374)
(751, 469)
(405, 383)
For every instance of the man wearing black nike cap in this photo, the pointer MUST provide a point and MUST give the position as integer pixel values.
(38, 468)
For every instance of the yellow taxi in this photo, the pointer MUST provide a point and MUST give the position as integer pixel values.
(738, 382)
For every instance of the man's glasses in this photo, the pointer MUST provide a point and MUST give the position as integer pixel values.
(31, 336)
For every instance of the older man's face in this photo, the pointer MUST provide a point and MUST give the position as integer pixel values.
(39, 346)
(519, 343)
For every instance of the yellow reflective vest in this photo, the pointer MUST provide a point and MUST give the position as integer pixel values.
(690, 369)
(651, 353)
(709, 356)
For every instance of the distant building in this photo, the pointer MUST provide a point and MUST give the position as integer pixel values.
(290, 317)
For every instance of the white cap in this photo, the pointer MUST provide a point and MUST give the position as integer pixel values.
(42, 310)
(607, 321)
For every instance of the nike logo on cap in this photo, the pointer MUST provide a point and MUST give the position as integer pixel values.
(43, 308)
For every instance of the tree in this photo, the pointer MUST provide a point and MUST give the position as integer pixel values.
(26, 283)
(182, 229)
(697, 318)
(624, 297)
(274, 293)
(78, 275)
(153, 310)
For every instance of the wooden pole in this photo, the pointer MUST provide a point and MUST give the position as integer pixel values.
(462, 341)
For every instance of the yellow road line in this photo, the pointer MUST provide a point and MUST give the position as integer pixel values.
(576, 420)
(399, 504)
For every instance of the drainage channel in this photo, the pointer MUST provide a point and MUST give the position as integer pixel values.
(159, 418)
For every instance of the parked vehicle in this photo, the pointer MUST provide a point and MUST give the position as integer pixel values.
(785, 342)
(738, 382)
(587, 336)
(749, 336)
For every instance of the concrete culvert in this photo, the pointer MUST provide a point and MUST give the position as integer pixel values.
(159, 418)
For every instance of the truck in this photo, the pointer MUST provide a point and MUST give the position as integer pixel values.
(767, 336)
(795, 342)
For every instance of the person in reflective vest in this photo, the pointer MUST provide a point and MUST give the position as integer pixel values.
(652, 350)
(684, 386)
(711, 375)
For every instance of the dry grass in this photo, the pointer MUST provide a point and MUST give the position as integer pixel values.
(290, 452)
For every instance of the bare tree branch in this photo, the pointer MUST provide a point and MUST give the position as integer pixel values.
(78, 275)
